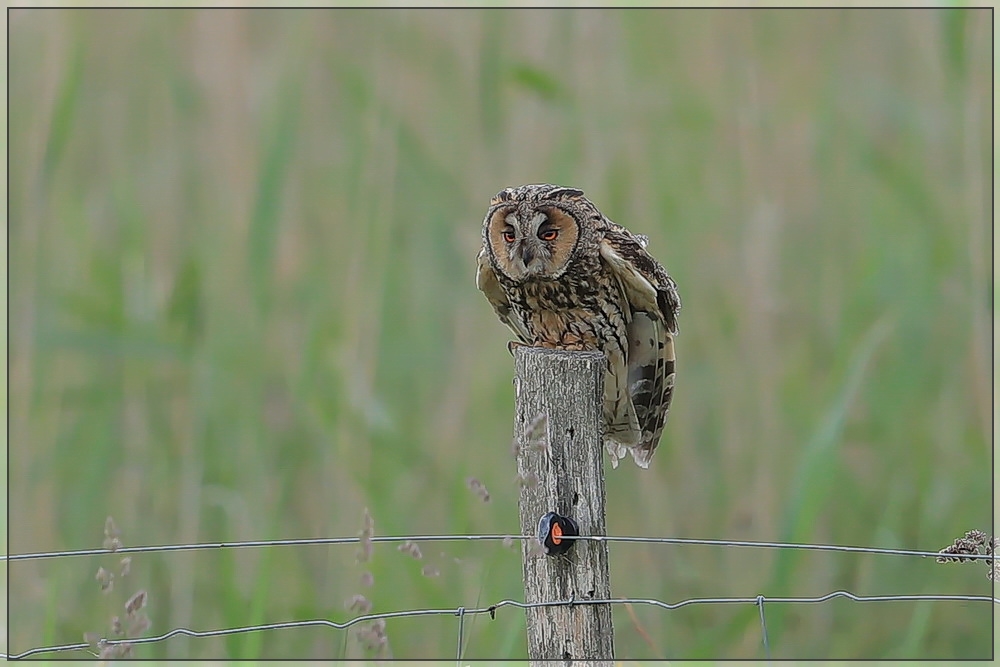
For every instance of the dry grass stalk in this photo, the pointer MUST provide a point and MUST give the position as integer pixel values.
(135, 622)
(371, 636)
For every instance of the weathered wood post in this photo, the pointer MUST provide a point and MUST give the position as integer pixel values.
(565, 475)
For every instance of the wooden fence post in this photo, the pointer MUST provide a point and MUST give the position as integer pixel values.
(565, 475)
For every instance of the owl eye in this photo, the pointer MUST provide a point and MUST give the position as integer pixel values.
(508, 235)
(548, 234)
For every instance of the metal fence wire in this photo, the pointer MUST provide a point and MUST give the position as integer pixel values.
(460, 613)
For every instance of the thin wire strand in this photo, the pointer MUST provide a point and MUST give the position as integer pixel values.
(461, 612)
(763, 628)
(461, 636)
(319, 541)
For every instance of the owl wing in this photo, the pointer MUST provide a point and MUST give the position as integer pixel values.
(652, 296)
(486, 281)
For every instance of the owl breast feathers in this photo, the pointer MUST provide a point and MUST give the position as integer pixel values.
(561, 275)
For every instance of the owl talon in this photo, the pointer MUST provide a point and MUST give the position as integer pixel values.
(512, 345)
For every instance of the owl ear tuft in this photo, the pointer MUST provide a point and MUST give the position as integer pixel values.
(565, 193)
(504, 195)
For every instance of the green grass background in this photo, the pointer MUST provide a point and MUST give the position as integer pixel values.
(242, 306)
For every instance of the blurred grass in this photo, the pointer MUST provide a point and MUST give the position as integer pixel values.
(243, 307)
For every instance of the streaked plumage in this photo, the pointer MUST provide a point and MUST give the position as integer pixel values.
(560, 274)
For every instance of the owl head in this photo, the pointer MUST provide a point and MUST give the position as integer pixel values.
(533, 231)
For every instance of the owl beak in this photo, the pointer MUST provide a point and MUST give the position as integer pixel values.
(527, 255)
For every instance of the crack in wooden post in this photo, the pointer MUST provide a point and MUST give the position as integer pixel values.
(563, 473)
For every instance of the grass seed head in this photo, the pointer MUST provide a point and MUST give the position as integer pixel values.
(973, 543)
(527, 480)
(411, 548)
(478, 488)
(111, 535)
(135, 603)
(367, 531)
(358, 603)
(105, 579)
(535, 430)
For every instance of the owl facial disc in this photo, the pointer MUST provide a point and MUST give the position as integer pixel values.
(529, 255)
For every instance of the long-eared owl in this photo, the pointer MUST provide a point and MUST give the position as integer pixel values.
(561, 275)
